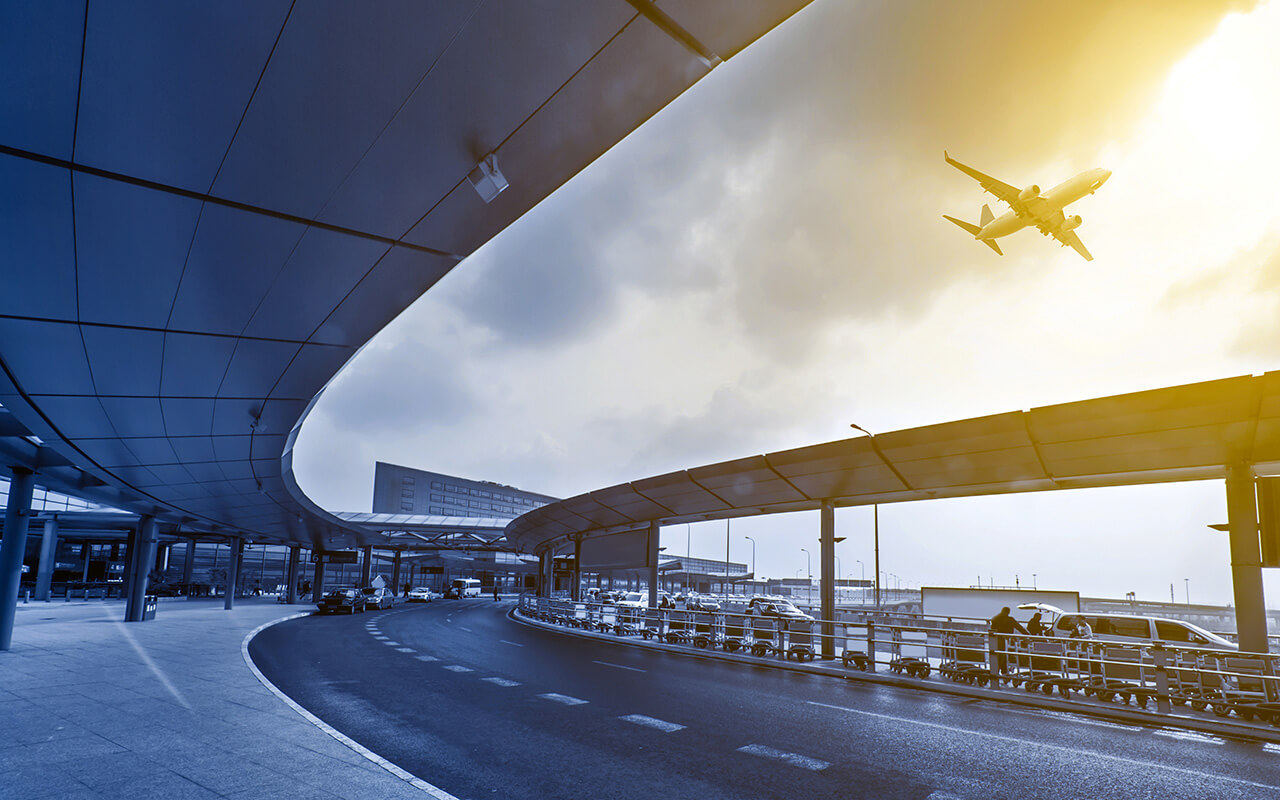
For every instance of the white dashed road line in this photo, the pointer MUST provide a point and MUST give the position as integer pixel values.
(794, 759)
(464, 628)
(513, 644)
(426, 658)
(619, 666)
(562, 698)
(650, 722)
(459, 668)
(390, 643)
(381, 638)
(405, 650)
(501, 682)
(1189, 736)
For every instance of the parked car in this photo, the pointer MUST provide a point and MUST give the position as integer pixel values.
(1125, 629)
(763, 606)
(379, 597)
(634, 600)
(349, 600)
(419, 594)
(701, 602)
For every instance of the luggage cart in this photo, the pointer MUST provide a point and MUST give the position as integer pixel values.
(915, 666)
(704, 632)
(964, 659)
(735, 633)
(1047, 670)
(800, 640)
(1123, 675)
(764, 637)
(679, 628)
(1243, 689)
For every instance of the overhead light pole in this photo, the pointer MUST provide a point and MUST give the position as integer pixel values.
(753, 556)
(875, 510)
(808, 569)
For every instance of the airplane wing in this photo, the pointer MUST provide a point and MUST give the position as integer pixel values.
(1000, 189)
(1071, 240)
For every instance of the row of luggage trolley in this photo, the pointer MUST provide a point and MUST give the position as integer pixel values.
(733, 633)
(1245, 685)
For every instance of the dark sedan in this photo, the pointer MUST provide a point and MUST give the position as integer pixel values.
(340, 600)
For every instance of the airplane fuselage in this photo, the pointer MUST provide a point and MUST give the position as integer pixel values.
(1039, 209)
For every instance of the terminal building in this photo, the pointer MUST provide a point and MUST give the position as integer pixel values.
(404, 490)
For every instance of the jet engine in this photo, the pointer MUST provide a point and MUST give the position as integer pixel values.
(1029, 193)
(1070, 224)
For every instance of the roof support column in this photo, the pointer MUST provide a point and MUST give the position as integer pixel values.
(85, 551)
(48, 553)
(291, 580)
(366, 565)
(126, 575)
(396, 588)
(13, 548)
(1246, 559)
(827, 577)
(317, 579)
(655, 534)
(233, 572)
(577, 568)
(141, 556)
(188, 565)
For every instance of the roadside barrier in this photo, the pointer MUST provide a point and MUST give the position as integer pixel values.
(1157, 676)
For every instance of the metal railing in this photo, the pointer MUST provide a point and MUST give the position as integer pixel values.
(1156, 675)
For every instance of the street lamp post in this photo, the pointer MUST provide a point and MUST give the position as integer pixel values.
(808, 569)
(1187, 582)
(753, 556)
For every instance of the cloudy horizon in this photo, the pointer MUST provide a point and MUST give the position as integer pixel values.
(764, 262)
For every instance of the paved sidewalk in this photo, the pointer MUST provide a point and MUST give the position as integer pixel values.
(94, 708)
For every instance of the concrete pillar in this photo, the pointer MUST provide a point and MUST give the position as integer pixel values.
(317, 580)
(396, 588)
(162, 558)
(130, 556)
(189, 564)
(233, 572)
(655, 535)
(48, 559)
(366, 566)
(291, 581)
(576, 592)
(13, 548)
(827, 577)
(144, 554)
(85, 551)
(1246, 559)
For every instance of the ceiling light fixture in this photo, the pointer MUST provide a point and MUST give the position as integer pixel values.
(487, 179)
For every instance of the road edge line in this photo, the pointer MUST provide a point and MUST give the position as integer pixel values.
(352, 744)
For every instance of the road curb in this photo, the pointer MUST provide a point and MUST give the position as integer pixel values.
(399, 772)
(1137, 716)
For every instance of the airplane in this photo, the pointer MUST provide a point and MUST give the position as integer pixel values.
(1030, 207)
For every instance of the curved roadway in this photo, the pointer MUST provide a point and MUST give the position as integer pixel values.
(483, 706)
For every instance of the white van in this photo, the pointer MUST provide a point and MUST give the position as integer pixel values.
(465, 587)
(1122, 628)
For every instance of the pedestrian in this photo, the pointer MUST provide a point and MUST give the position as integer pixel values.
(495, 591)
(1035, 627)
(1003, 624)
(1081, 630)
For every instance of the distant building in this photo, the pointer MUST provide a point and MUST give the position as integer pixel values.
(404, 490)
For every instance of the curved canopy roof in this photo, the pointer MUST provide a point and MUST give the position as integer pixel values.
(1180, 433)
(207, 208)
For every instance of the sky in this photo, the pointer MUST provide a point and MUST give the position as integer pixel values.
(764, 262)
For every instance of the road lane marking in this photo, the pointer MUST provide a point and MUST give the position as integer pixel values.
(562, 698)
(464, 628)
(426, 658)
(513, 644)
(651, 722)
(1271, 748)
(794, 759)
(1076, 718)
(1034, 743)
(619, 666)
(501, 682)
(390, 643)
(459, 668)
(382, 638)
(1190, 736)
(405, 650)
(408, 777)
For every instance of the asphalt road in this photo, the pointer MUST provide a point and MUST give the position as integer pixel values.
(482, 706)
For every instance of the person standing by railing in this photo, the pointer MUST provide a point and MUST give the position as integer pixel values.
(1003, 624)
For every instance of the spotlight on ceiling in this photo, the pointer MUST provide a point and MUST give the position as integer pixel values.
(487, 179)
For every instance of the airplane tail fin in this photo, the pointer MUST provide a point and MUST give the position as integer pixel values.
(975, 229)
(986, 217)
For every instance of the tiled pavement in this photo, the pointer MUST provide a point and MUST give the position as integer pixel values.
(93, 708)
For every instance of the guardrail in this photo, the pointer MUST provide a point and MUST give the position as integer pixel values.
(1159, 675)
